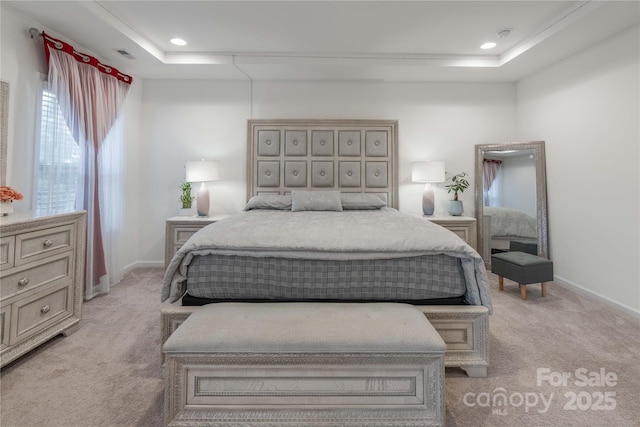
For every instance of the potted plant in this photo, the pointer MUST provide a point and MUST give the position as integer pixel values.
(458, 184)
(186, 199)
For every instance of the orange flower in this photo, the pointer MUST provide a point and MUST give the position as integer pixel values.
(8, 194)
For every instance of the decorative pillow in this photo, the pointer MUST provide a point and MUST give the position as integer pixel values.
(361, 201)
(315, 201)
(269, 201)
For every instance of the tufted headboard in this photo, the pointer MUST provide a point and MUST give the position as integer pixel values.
(346, 155)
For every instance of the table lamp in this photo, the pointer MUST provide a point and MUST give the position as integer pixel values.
(428, 173)
(203, 171)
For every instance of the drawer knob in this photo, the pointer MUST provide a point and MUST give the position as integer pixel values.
(23, 282)
(47, 243)
(45, 309)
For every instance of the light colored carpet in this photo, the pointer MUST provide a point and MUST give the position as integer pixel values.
(108, 373)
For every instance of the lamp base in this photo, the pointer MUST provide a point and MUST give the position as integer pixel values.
(428, 203)
(202, 205)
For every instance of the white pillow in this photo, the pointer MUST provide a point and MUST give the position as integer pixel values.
(315, 201)
(269, 201)
(361, 201)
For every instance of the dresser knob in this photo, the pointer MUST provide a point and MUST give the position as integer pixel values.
(47, 243)
(23, 282)
(45, 309)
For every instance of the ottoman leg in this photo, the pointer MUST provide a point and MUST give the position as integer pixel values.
(523, 291)
(501, 282)
(544, 289)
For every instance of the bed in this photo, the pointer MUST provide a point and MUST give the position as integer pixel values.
(302, 239)
(502, 225)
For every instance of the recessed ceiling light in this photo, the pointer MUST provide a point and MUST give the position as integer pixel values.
(488, 45)
(179, 42)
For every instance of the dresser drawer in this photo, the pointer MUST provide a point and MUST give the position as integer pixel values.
(7, 251)
(30, 277)
(43, 243)
(32, 314)
(5, 314)
(41, 279)
(182, 234)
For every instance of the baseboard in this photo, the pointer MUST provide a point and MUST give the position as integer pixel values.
(142, 264)
(619, 307)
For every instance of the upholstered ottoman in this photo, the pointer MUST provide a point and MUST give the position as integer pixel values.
(523, 246)
(305, 364)
(523, 268)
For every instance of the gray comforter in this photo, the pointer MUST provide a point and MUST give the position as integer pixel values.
(347, 235)
(509, 223)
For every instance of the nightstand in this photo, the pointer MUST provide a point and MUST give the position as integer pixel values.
(180, 228)
(463, 226)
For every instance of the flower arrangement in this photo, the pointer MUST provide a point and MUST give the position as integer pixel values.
(8, 194)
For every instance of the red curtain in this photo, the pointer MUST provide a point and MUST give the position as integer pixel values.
(90, 95)
(490, 170)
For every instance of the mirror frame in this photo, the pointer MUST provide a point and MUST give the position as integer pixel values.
(541, 191)
(4, 125)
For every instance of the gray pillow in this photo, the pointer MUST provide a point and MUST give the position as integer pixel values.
(361, 201)
(315, 201)
(269, 201)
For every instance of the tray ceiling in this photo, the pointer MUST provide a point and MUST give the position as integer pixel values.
(332, 40)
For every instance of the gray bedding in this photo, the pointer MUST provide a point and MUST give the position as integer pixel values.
(510, 223)
(416, 280)
(318, 235)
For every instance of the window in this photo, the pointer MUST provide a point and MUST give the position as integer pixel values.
(59, 160)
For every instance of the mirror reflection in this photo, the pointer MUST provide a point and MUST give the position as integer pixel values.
(511, 198)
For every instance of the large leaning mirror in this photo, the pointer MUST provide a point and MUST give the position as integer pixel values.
(511, 198)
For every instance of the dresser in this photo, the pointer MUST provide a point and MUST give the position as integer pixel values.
(180, 228)
(41, 279)
(463, 226)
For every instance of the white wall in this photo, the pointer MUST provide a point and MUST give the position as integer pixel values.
(188, 120)
(587, 110)
(22, 59)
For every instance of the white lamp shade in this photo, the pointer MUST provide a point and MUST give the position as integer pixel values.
(203, 171)
(428, 172)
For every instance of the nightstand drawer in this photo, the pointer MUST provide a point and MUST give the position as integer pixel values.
(180, 228)
(462, 232)
(55, 268)
(32, 314)
(182, 234)
(43, 243)
(462, 226)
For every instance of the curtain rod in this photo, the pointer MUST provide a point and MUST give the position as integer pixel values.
(34, 32)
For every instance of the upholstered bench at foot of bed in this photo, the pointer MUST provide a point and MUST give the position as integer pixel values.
(305, 364)
(464, 329)
(523, 268)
